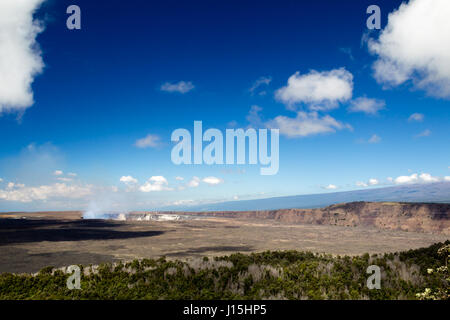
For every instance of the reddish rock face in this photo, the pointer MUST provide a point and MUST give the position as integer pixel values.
(418, 217)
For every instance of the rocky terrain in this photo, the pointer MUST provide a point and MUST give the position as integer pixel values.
(417, 217)
(30, 241)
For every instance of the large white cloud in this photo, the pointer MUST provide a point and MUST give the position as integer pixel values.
(319, 90)
(20, 57)
(306, 123)
(415, 46)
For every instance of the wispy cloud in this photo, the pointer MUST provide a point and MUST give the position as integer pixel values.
(306, 124)
(418, 117)
(371, 182)
(149, 141)
(21, 193)
(179, 87)
(258, 84)
(374, 139)
(194, 182)
(254, 117)
(366, 105)
(425, 133)
(348, 52)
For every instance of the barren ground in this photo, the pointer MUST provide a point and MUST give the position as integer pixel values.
(62, 238)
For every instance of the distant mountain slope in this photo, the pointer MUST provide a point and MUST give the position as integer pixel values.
(433, 192)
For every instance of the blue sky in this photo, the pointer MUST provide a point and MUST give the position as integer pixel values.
(104, 87)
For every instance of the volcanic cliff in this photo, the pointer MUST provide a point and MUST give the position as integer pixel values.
(418, 217)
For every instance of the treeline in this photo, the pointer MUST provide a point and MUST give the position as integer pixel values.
(414, 274)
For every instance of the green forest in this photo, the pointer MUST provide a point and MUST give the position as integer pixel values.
(414, 274)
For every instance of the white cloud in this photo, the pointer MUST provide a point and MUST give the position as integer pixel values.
(330, 187)
(155, 183)
(361, 184)
(414, 46)
(319, 90)
(447, 178)
(416, 178)
(72, 174)
(1, 180)
(158, 179)
(20, 56)
(149, 141)
(366, 105)
(212, 180)
(194, 182)
(426, 177)
(179, 178)
(128, 180)
(407, 179)
(64, 179)
(425, 133)
(306, 124)
(374, 139)
(20, 193)
(371, 182)
(58, 173)
(180, 87)
(416, 117)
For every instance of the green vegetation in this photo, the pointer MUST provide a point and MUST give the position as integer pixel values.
(274, 275)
